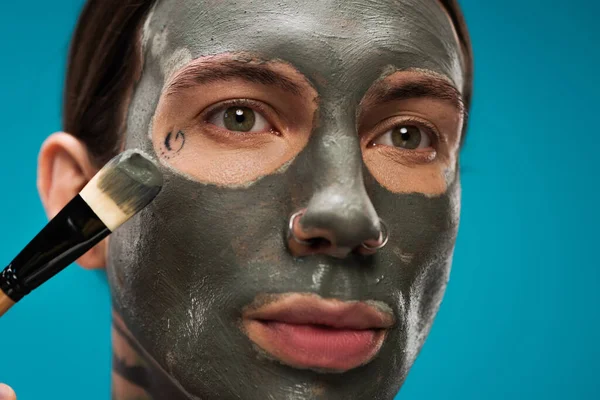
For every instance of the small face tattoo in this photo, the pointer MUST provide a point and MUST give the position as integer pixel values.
(173, 144)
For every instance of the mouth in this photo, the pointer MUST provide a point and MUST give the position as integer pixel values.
(309, 332)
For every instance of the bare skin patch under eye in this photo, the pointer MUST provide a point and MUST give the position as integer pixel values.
(186, 137)
(423, 100)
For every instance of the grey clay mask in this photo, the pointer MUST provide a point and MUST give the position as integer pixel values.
(183, 270)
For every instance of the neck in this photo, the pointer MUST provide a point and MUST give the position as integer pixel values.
(130, 371)
(135, 375)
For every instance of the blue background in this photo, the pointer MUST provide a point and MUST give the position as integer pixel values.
(520, 319)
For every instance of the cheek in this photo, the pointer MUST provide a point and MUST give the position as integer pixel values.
(225, 160)
(160, 283)
(422, 235)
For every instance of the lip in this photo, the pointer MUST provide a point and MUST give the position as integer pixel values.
(310, 332)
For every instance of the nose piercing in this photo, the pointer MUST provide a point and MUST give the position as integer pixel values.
(291, 229)
(384, 236)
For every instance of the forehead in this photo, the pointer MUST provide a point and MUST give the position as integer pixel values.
(340, 43)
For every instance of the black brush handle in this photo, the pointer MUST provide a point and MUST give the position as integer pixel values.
(68, 236)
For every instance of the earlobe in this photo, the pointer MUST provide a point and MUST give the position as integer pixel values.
(64, 168)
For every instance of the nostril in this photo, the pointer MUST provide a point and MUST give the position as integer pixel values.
(337, 238)
(304, 243)
(319, 243)
(296, 232)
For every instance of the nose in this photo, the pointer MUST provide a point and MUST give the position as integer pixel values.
(339, 217)
(337, 221)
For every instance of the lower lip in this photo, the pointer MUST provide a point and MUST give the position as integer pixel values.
(315, 346)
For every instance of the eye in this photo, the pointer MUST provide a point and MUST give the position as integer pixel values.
(240, 119)
(406, 136)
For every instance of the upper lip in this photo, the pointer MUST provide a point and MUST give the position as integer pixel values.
(310, 309)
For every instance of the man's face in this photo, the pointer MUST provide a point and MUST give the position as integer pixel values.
(348, 111)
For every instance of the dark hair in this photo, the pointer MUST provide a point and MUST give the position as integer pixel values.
(458, 20)
(105, 61)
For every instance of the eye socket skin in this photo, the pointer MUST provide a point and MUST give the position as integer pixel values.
(409, 136)
(234, 129)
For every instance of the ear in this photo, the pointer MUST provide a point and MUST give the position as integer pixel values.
(64, 168)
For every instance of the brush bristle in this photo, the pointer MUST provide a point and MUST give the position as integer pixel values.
(126, 184)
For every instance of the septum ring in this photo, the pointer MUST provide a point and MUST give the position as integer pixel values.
(385, 235)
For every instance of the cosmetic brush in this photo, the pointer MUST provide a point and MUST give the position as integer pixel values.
(121, 189)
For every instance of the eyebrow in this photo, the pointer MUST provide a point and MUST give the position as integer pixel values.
(204, 73)
(431, 87)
